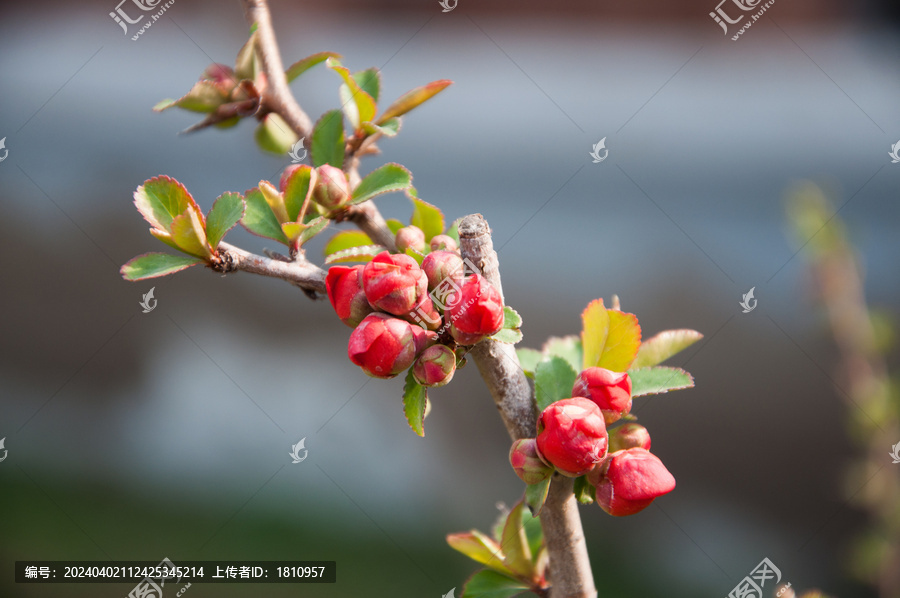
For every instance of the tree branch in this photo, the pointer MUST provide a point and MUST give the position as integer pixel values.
(570, 568)
(299, 272)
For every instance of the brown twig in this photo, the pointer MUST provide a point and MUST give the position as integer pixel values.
(300, 272)
(570, 568)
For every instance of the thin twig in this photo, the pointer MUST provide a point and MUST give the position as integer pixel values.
(570, 568)
(300, 272)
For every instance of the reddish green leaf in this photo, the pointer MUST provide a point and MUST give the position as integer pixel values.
(345, 240)
(298, 190)
(413, 98)
(514, 544)
(153, 265)
(327, 145)
(658, 379)
(246, 65)
(189, 234)
(664, 345)
(490, 584)
(427, 217)
(226, 212)
(259, 219)
(204, 97)
(358, 105)
(385, 179)
(415, 397)
(161, 199)
(303, 65)
(394, 225)
(480, 548)
(299, 232)
(389, 128)
(369, 80)
(354, 254)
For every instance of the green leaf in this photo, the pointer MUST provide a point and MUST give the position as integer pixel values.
(161, 199)
(394, 225)
(414, 398)
(453, 231)
(585, 492)
(273, 135)
(354, 254)
(246, 66)
(327, 145)
(567, 347)
(511, 318)
(553, 381)
(658, 379)
(189, 234)
(427, 217)
(313, 228)
(259, 219)
(369, 81)
(664, 345)
(611, 338)
(153, 265)
(514, 543)
(275, 199)
(413, 98)
(529, 358)
(226, 212)
(384, 179)
(303, 65)
(536, 494)
(204, 97)
(533, 532)
(480, 548)
(490, 584)
(510, 336)
(358, 105)
(345, 240)
(388, 128)
(298, 189)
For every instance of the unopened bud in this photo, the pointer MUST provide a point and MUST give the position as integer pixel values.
(443, 243)
(332, 190)
(629, 435)
(435, 366)
(527, 463)
(410, 237)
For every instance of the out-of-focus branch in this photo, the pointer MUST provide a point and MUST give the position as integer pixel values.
(299, 271)
(570, 569)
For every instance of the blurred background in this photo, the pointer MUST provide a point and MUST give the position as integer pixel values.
(144, 436)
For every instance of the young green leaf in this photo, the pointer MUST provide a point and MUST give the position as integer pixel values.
(363, 253)
(480, 548)
(313, 228)
(384, 179)
(189, 234)
(413, 98)
(490, 584)
(610, 338)
(453, 231)
(358, 105)
(514, 544)
(275, 199)
(389, 128)
(204, 97)
(394, 225)
(259, 219)
(585, 492)
(415, 397)
(273, 135)
(510, 336)
(427, 217)
(345, 240)
(304, 64)
(161, 199)
(529, 358)
(153, 265)
(327, 145)
(536, 494)
(533, 532)
(511, 318)
(658, 379)
(246, 66)
(553, 381)
(298, 190)
(664, 345)
(226, 212)
(567, 347)
(369, 81)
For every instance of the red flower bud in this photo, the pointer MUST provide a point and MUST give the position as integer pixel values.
(332, 190)
(435, 366)
(572, 436)
(394, 283)
(443, 243)
(629, 480)
(527, 463)
(425, 315)
(443, 265)
(344, 286)
(628, 436)
(410, 237)
(610, 390)
(384, 346)
(478, 309)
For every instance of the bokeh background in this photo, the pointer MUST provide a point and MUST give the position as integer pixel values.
(143, 436)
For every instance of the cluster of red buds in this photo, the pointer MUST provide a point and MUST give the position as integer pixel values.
(406, 315)
(572, 439)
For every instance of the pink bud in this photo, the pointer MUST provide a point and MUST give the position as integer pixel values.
(629, 435)
(384, 346)
(443, 243)
(435, 366)
(629, 480)
(527, 463)
(286, 175)
(332, 190)
(610, 390)
(410, 237)
(478, 309)
(344, 286)
(440, 266)
(572, 436)
(394, 283)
